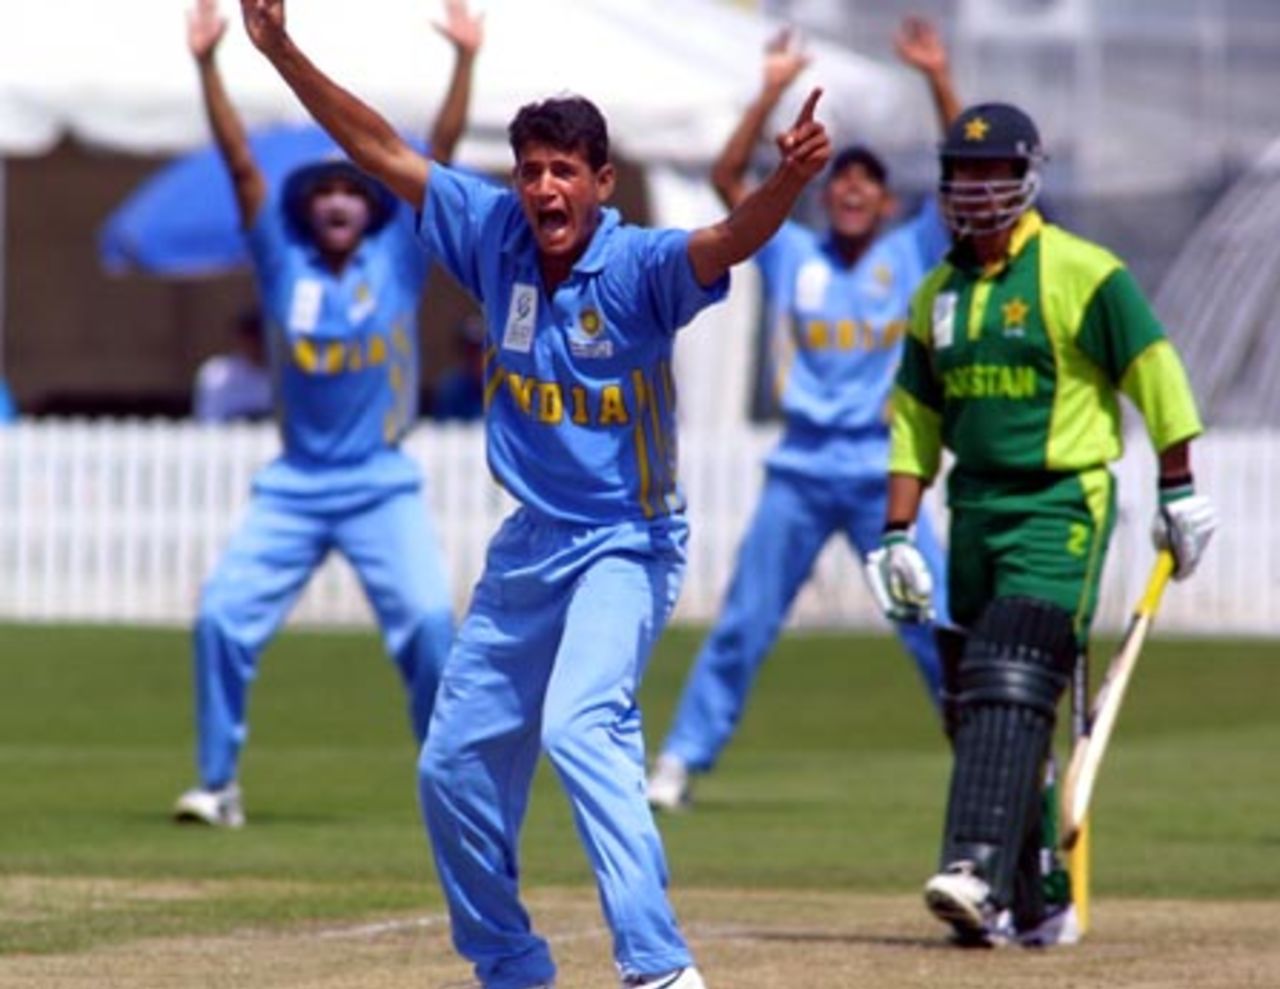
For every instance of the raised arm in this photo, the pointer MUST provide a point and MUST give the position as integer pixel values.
(783, 61)
(205, 29)
(372, 143)
(805, 150)
(465, 31)
(920, 46)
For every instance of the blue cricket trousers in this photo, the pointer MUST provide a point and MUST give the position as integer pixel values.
(392, 545)
(549, 658)
(794, 519)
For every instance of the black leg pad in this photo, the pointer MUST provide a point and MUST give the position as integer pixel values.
(951, 641)
(1016, 664)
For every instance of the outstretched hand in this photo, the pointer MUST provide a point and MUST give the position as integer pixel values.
(461, 28)
(205, 28)
(784, 59)
(806, 146)
(264, 22)
(919, 44)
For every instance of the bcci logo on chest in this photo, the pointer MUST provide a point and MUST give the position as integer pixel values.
(586, 336)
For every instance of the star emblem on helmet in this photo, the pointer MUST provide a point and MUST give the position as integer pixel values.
(976, 129)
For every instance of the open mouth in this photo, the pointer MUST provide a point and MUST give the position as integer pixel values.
(853, 210)
(337, 221)
(552, 222)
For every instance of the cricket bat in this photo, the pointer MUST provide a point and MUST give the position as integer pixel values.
(1090, 747)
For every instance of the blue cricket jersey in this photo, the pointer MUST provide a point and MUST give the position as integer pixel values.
(836, 340)
(344, 358)
(579, 395)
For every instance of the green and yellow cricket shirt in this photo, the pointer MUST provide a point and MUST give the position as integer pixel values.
(1015, 368)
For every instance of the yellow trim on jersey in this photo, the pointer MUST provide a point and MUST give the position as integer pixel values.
(492, 384)
(1028, 225)
(1097, 485)
(662, 463)
(978, 306)
(1084, 423)
(642, 463)
(668, 383)
(915, 436)
(651, 469)
(1156, 382)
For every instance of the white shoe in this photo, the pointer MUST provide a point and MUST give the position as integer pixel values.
(960, 897)
(1060, 926)
(217, 808)
(668, 787)
(681, 978)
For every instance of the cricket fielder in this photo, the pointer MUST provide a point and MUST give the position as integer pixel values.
(836, 303)
(340, 273)
(1019, 344)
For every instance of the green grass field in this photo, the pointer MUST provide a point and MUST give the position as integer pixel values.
(836, 782)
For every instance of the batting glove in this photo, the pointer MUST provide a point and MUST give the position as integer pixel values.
(1183, 524)
(900, 579)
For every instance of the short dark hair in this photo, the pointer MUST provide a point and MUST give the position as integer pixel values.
(864, 157)
(566, 123)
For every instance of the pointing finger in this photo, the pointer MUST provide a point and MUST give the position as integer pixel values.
(806, 111)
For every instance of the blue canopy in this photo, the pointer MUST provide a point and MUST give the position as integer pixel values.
(183, 220)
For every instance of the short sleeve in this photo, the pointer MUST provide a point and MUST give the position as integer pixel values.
(1118, 325)
(461, 217)
(268, 238)
(674, 293)
(410, 253)
(778, 254)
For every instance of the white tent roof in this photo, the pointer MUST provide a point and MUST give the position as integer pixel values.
(671, 75)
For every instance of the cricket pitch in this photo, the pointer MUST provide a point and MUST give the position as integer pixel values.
(743, 939)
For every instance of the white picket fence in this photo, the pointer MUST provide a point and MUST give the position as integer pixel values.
(121, 521)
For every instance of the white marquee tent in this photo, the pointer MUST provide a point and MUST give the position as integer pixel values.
(671, 76)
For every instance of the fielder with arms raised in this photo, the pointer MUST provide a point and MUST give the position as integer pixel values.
(580, 313)
(837, 304)
(340, 274)
(1019, 344)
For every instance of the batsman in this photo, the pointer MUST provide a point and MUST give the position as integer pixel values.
(1019, 345)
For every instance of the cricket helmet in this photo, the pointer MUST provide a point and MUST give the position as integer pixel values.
(990, 132)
